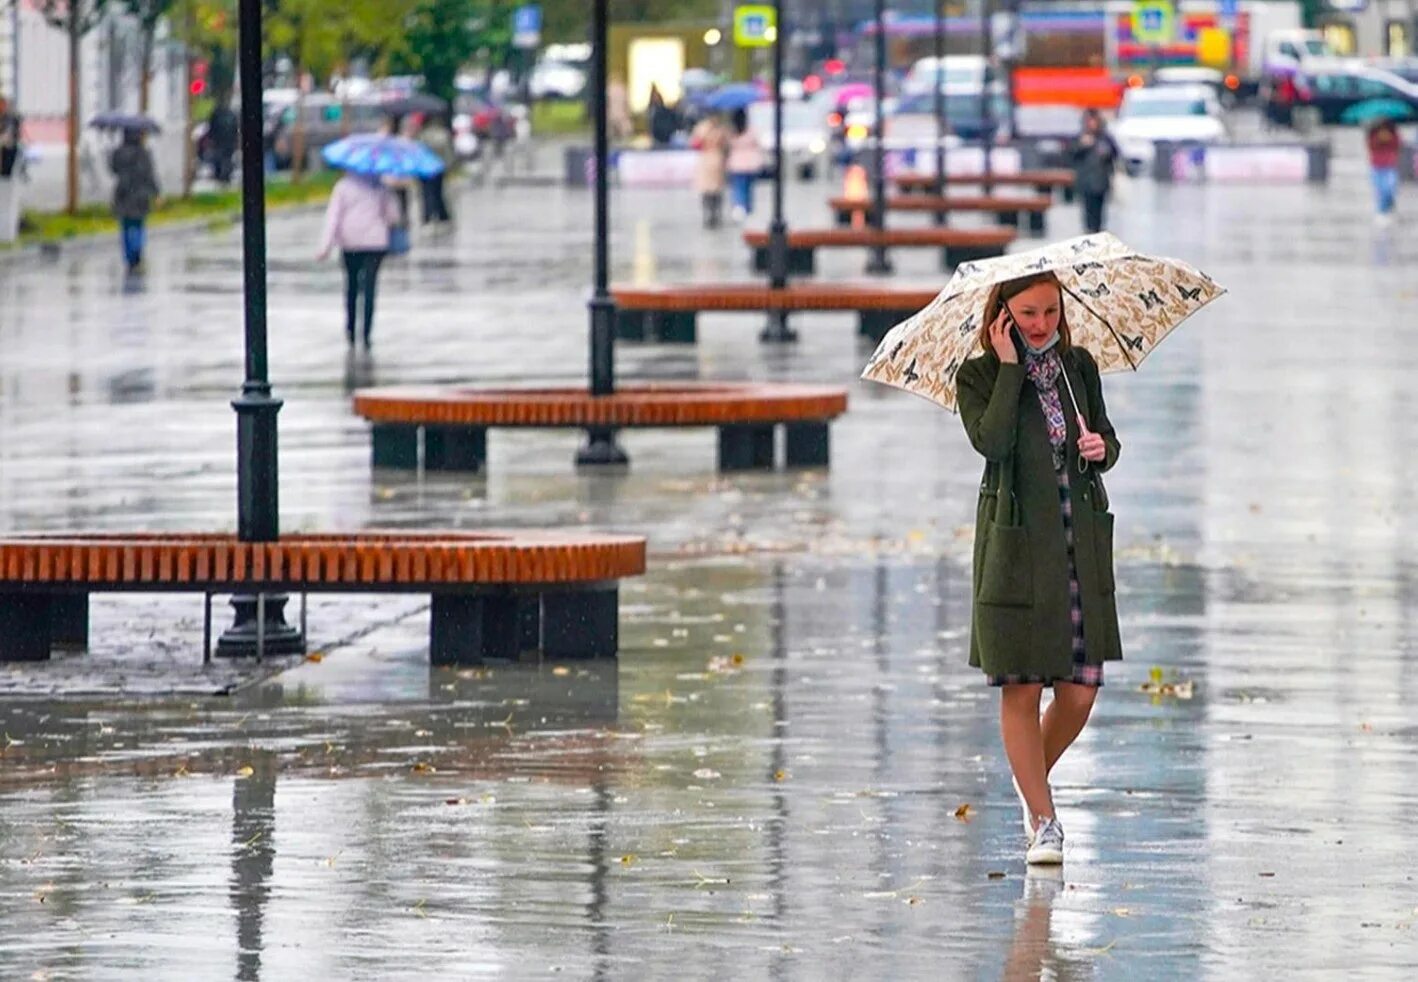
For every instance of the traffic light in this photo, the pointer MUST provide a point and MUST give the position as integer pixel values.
(197, 84)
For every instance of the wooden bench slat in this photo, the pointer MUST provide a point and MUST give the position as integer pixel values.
(866, 237)
(946, 203)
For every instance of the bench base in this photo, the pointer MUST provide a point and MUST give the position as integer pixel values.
(752, 446)
(801, 260)
(1037, 223)
(952, 256)
(445, 448)
(664, 326)
(874, 324)
(464, 628)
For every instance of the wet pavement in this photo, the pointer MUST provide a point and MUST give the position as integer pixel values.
(773, 780)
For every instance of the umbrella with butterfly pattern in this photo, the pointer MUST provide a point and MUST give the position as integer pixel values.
(1120, 304)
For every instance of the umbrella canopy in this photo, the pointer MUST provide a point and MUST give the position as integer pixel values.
(736, 96)
(419, 102)
(1374, 110)
(1120, 304)
(376, 155)
(124, 121)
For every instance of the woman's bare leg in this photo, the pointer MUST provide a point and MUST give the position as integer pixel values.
(1024, 745)
(1064, 719)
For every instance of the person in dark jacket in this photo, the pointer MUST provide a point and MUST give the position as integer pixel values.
(224, 130)
(134, 192)
(662, 120)
(1044, 606)
(1094, 156)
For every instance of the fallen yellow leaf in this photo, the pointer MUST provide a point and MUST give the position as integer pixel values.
(963, 813)
(315, 656)
(423, 768)
(245, 771)
(561, 670)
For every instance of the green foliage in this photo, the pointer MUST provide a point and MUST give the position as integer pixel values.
(441, 36)
(570, 20)
(221, 207)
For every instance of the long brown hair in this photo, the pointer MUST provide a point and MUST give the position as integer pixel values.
(1010, 289)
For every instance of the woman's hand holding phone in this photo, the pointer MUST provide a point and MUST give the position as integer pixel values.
(1000, 339)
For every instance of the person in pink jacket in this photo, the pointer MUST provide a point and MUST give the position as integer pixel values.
(357, 222)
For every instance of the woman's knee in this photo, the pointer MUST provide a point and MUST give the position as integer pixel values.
(1020, 698)
(1076, 698)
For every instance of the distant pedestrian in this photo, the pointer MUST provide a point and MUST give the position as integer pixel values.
(1043, 610)
(1384, 147)
(712, 141)
(661, 119)
(9, 139)
(618, 110)
(135, 191)
(224, 131)
(438, 138)
(357, 222)
(745, 164)
(1095, 156)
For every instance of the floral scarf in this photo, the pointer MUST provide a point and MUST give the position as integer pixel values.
(1044, 370)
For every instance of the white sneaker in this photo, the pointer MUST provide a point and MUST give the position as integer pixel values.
(1047, 847)
(1024, 810)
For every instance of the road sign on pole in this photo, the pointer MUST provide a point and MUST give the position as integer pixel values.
(1154, 21)
(755, 25)
(527, 26)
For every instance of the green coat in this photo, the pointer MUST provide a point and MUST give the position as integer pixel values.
(1020, 621)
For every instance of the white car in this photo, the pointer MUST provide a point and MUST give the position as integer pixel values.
(1172, 114)
(556, 80)
(805, 135)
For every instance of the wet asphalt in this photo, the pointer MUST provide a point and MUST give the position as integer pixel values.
(773, 780)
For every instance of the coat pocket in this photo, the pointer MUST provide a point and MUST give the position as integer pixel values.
(1103, 550)
(1006, 575)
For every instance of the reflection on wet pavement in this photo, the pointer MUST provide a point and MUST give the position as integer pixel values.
(770, 781)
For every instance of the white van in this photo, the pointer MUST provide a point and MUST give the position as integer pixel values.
(963, 74)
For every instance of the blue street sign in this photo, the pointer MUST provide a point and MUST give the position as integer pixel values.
(527, 26)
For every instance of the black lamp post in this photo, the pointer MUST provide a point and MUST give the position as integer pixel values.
(942, 129)
(260, 622)
(987, 113)
(601, 448)
(777, 329)
(878, 262)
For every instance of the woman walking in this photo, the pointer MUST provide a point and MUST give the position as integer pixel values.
(1095, 155)
(709, 138)
(135, 190)
(1044, 611)
(1383, 144)
(745, 163)
(357, 221)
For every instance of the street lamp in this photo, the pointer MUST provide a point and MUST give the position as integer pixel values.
(601, 448)
(260, 623)
(777, 328)
(878, 262)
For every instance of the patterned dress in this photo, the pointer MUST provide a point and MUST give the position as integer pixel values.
(1044, 370)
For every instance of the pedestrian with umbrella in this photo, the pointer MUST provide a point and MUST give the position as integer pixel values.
(135, 190)
(362, 211)
(1383, 143)
(1018, 345)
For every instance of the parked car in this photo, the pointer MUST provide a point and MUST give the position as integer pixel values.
(962, 73)
(556, 80)
(913, 121)
(805, 134)
(325, 120)
(1174, 114)
(1358, 94)
(474, 115)
(1223, 86)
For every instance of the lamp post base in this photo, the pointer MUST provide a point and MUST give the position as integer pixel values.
(248, 636)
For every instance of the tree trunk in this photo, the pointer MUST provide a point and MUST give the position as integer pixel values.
(189, 162)
(297, 133)
(145, 77)
(72, 189)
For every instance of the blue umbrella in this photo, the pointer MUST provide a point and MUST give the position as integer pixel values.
(1373, 110)
(736, 96)
(375, 155)
(124, 121)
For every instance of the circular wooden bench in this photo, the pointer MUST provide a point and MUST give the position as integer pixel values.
(670, 313)
(494, 593)
(958, 245)
(1043, 181)
(1006, 209)
(454, 422)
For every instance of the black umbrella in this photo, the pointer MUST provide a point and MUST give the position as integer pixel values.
(419, 102)
(124, 121)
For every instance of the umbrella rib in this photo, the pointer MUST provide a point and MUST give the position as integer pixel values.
(1105, 322)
